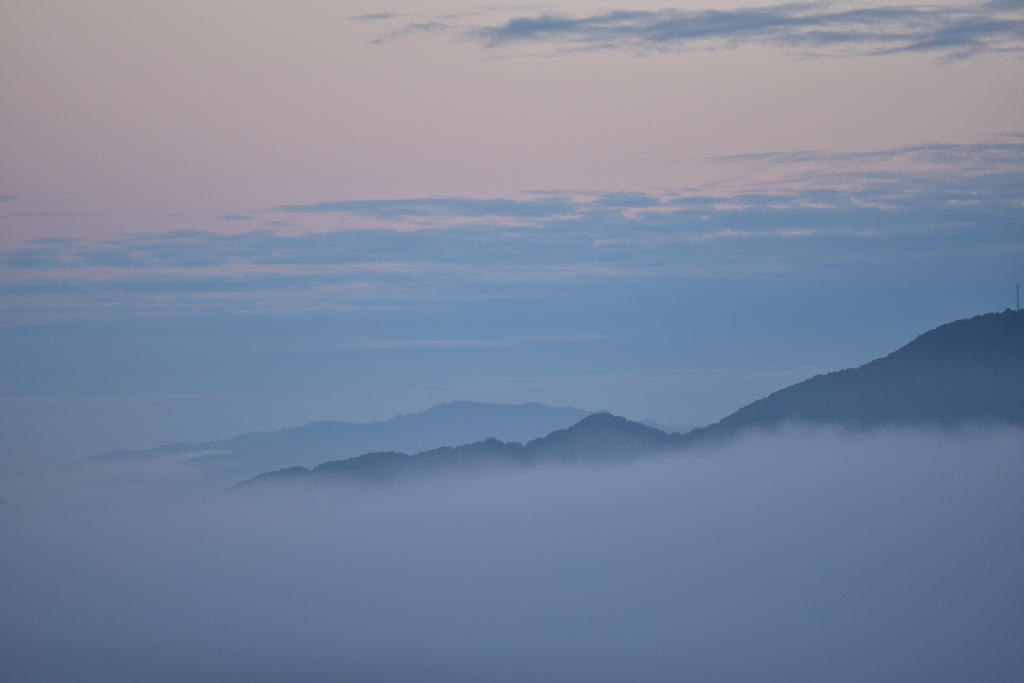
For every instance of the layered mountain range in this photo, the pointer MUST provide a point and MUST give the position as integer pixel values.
(968, 371)
(595, 438)
(220, 463)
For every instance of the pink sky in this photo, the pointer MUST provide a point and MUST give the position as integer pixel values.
(160, 115)
(845, 174)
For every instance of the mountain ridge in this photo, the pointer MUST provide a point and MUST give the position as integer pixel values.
(969, 370)
(596, 438)
(223, 462)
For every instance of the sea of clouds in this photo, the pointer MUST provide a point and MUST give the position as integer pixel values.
(803, 555)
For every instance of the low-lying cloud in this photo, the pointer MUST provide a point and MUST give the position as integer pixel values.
(799, 556)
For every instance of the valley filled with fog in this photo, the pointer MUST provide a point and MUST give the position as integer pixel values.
(795, 555)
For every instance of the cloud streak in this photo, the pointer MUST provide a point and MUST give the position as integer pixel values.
(818, 28)
(809, 211)
(441, 206)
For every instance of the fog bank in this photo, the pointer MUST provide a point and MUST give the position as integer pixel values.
(798, 556)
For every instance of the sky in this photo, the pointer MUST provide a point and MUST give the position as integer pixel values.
(225, 216)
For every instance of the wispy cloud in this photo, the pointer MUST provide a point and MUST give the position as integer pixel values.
(463, 343)
(545, 207)
(378, 16)
(40, 214)
(812, 28)
(814, 210)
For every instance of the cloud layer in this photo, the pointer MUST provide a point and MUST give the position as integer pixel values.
(795, 557)
(819, 28)
(827, 211)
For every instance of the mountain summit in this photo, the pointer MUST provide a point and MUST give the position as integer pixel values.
(967, 371)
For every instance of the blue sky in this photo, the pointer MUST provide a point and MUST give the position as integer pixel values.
(216, 220)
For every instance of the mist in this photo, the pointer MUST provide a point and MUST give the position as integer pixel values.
(802, 555)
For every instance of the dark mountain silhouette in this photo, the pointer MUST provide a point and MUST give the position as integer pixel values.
(967, 371)
(600, 437)
(457, 422)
